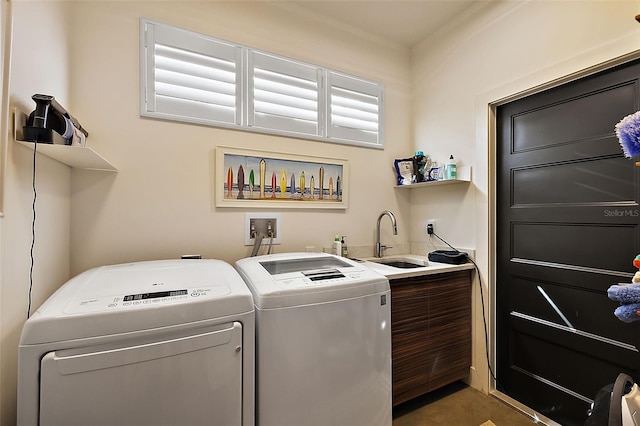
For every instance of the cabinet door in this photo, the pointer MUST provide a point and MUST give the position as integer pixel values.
(410, 338)
(431, 332)
(449, 349)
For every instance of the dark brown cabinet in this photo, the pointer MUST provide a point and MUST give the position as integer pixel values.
(430, 332)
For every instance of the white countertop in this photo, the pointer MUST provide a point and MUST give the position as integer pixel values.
(395, 273)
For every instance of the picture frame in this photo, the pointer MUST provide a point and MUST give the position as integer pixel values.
(266, 179)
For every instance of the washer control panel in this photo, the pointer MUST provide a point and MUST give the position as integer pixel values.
(324, 278)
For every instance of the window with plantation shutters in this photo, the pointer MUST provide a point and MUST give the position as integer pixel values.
(354, 109)
(191, 77)
(283, 94)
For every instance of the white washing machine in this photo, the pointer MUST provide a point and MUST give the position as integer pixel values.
(323, 340)
(148, 343)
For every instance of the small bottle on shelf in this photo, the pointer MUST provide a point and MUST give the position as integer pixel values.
(451, 169)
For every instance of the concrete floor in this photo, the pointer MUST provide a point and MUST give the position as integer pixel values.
(459, 405)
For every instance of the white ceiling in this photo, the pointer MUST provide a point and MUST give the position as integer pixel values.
(405, 22)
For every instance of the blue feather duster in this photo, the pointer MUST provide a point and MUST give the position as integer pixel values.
(625, 293)
(629, 297)
(628, 313)
(628, 132)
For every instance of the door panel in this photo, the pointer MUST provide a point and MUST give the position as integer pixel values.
(567, 229)
(556, 243)
(601, 180)
(547, 125)
(559, 305)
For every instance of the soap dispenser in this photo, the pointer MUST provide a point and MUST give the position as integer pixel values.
(344, 248)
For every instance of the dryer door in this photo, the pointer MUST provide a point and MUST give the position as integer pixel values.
(192, 378)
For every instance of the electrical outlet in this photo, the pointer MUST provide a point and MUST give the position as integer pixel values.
(431, 226)
(265, 224)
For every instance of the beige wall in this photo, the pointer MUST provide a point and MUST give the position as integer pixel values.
(4, 28)
(482, 58)
(39, 64)
(160, 204)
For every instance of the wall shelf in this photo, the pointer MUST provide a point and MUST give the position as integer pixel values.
(464, 176)
(79, 157)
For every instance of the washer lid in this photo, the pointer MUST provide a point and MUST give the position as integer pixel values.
(294, 279)
(138, 296)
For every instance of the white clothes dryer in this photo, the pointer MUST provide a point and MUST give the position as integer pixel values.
(323, 340)
(149, 343)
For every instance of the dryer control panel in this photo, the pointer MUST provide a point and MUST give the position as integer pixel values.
(126, 301)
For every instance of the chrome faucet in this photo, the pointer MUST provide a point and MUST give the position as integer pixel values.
(379, 247)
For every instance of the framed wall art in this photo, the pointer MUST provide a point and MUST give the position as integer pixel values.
(252, 178)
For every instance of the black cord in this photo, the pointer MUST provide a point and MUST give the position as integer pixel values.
(484, 316)
(33, 226)
(438, 236)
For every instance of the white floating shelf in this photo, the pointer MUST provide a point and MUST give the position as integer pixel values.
(79, 157)
(464, 176)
